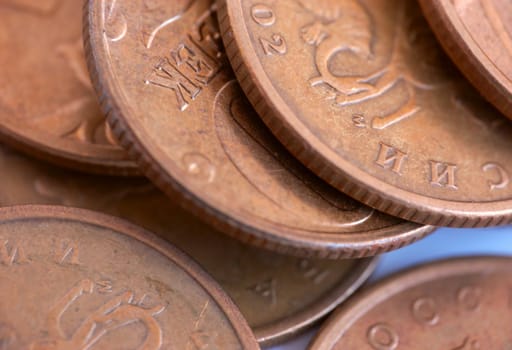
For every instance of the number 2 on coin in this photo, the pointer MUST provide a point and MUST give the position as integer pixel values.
(265, 17)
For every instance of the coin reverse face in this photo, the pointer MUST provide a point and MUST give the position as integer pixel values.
(47, 104)
(74, 279)
(458, 304)
(478, 37)
(361, 93)
(162, 74)
(278, 295)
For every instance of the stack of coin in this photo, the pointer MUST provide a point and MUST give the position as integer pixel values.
(283, 145)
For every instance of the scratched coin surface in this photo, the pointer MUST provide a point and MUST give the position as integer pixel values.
(459, 304)
(47, 104)
(160, 70)
(361, 93)
(477, 34)
(278, 295)
(75, 279)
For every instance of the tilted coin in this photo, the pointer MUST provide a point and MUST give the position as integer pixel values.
(361, 93)
(160, 70)
(278, 295)
(478, 36)
(47, 104)
(74, 279)
(459, 304)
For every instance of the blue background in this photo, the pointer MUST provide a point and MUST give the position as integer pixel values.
(442, 244)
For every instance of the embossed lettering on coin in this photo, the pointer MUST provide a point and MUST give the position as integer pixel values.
(365, 97)
(454, 304)
(278, 295)
(187, 120)
(81, 280)
(47, 104)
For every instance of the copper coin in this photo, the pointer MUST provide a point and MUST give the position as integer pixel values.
(78, 279)
(361, 93)
(160, 70)
(47, 104)
(279, 295)
(459, 304)
(478, 37)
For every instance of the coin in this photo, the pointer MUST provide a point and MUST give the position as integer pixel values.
(78, 279)
(173, 103)
(360, 92)
(478, 37)
(452, 304)
(47, 104)
(278, 295)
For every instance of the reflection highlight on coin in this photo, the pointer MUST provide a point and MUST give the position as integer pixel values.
(197, 138)
(47, 104)
(452, 304)
(107, 284)
(362, 94)
(278, 295)
(478, 37)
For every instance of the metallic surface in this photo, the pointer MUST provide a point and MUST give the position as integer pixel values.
(279, 295)
(361, 93)
(78, 280)
(161, 73)
(477, 35)
(47, 104)
(459, 304)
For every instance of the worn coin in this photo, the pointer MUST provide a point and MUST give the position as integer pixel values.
(160, 70)
(478, 37)
(47, 104)
(278, 295)
(459, 304)
(360, 92)
(76, 279)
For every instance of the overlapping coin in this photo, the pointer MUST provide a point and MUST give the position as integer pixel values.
(362, 94)
(47, 104)
(478, 37)
(73, 279)
(280, 296)
(163, 79)
(359, 94)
